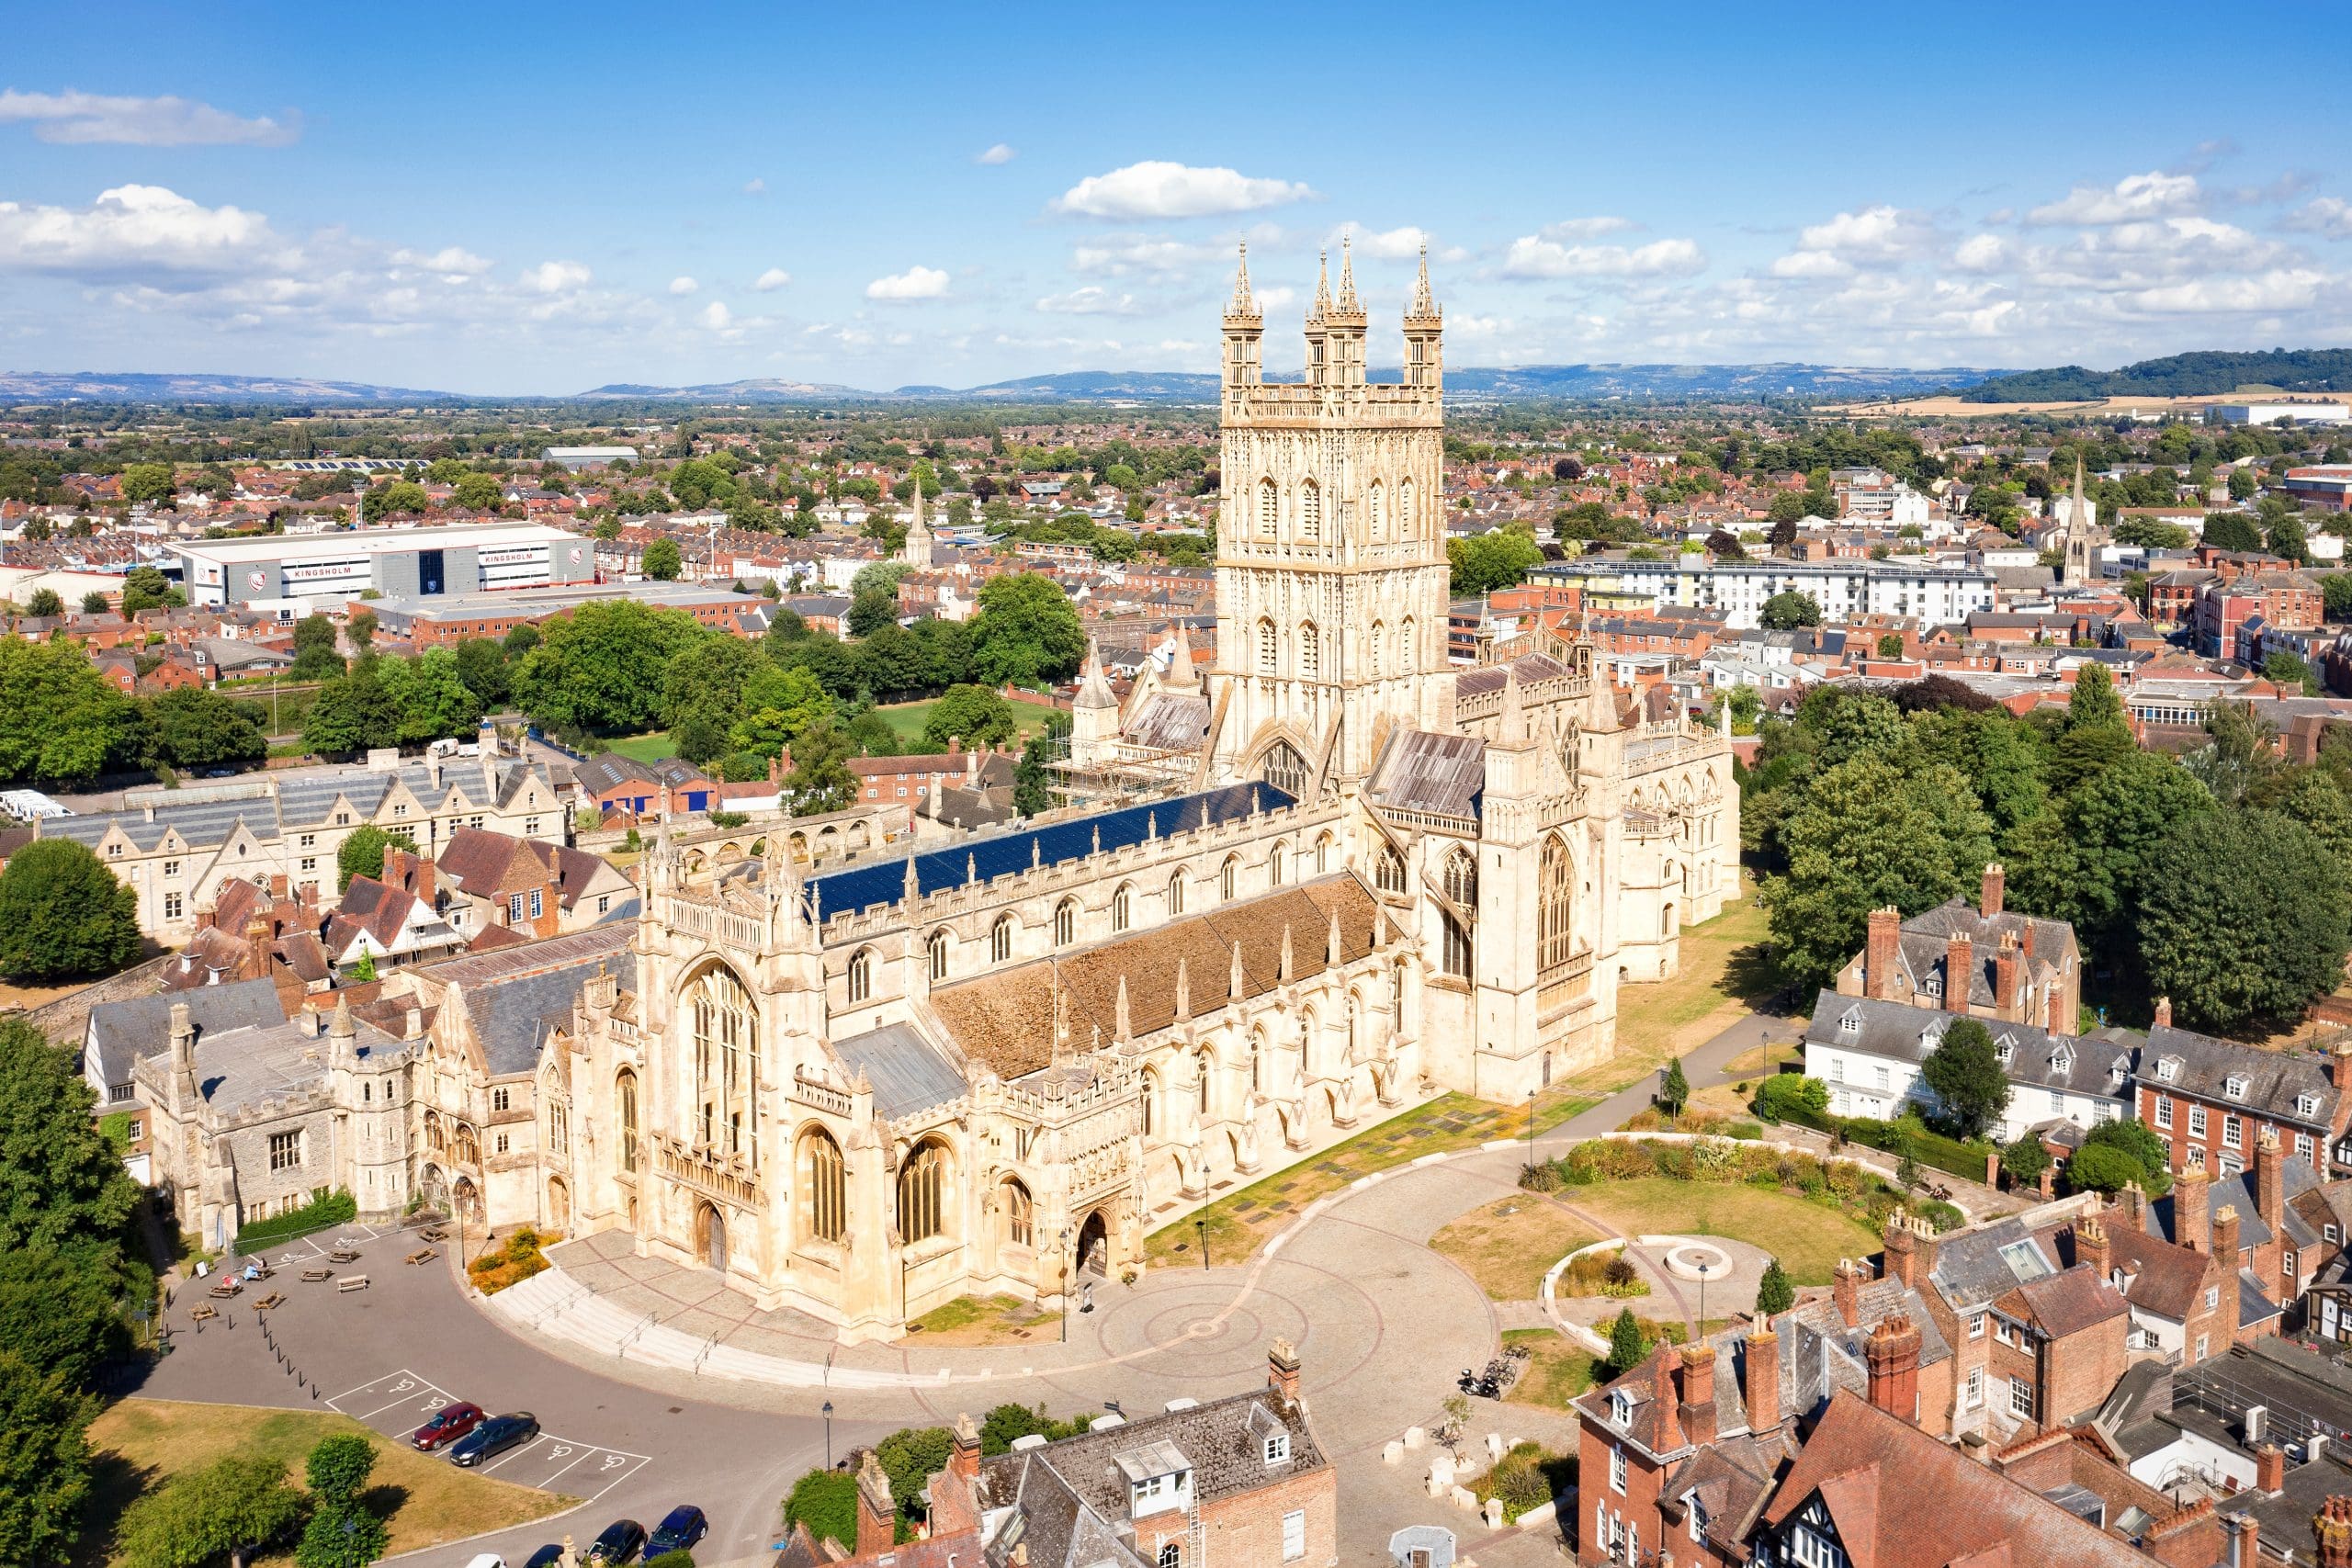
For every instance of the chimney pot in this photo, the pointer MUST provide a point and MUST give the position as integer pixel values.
(1760, 1356)
(1991, 900)
(1879, 957)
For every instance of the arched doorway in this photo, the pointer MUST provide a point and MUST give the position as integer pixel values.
(710, 1237)
(1094, 1245)
(467, 1200)
(434, 1187)
(559, 1205)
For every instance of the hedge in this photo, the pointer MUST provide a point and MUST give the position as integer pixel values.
(337, 1208)
(1924, 1144)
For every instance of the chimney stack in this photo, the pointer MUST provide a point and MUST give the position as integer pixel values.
(2340, 1068)
(1991, 901)
(1891, 1354)
(2163, 1018)
(1846, 1289)
(2332, 1533)
(963, 1458)
(1282, 1371)
(2270, 1180)
(2190, 1227)
(1699, 1393)
(1879, 958)
(2269, 1468)
(1760, 1359)
(1960, 971)
(876, 1514)
(2225, 1234)
(2131, 1207)
(2245, 1533)
(2006, 964)
(2091, 1248)
(1910, 1250)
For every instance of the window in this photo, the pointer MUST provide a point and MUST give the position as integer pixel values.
(1294, 1535)
(1849, 1024)
(1461, 878)
(2305, 1104)
(1695, 1515)
(1121, 908)
(514, 910)
(2168, 1069)
(114, 852)
(1020, 1215)
(1405, 510)
(538, 908)
(1203, 1066)
(2020, 1397)
(1269, 648)
(1310, 651)
(2001, 1331)
(1616, 1469)
(285, 1151)
(1284, 769)
(2197, 1120)
(1388, 869)
(625, 1092)
(1276, 858)
(499, 1144)
(726, 1055)
(502, 1098)
(921, 1183)
(1175, 895)
(1065, 922)
(935, 952)
(2213, 1296)
(2202, 1340)
(861, 975)
(1555, 911)
(1976, 1396)
(171, 905)
(2233, 1128)
(1310, 510)
(1455, 946)
(1171, 1556)
(2304, 1148)
(1001, 940)
(1226, 877)
(1375, 505)
(1278, 1448)
(1811, 1548)
(821, 1169)
(172, 868)
(1268, 507)
(2235, 1087)
(2164, 1111)
(310, 862)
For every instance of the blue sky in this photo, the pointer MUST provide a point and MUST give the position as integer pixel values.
(533, 199)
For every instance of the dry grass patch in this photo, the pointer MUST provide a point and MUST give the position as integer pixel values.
(426, 1499)
(1723, 972)
(1509, 1244)
(985, 1320)
(1806, 1237)
(1557, 1372)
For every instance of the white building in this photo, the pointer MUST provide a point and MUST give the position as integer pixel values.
(2275, 413)
(1844, 589)
(1870, 1052)
(391, 563)
(578, 457)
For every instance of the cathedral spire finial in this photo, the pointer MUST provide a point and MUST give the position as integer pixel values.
(1244, 304)
(1424, 305)
(1322, 286)
(1348, 275)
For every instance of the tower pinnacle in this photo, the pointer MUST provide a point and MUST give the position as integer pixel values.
(1244, 305)
(1322, 286)
(1424, 305)
(1348, 302)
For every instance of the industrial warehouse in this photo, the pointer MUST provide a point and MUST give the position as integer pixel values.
(406, 563)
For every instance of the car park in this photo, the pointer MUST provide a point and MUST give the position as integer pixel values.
(620, 1543)
(495, 1436)
(681, 1527)
(451, 1422)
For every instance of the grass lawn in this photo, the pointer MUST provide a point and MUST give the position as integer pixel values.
(908, 720)
(1557, 1371)
(1239, 1222)
(1722, 968)
(985, 1320)
(144, 1442)
(650, 747)
(1808, 1237)
(1511, 1244)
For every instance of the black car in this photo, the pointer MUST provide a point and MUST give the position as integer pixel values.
(545, 1557)
(680, 1529)
(619, 1545)
(495, 1436)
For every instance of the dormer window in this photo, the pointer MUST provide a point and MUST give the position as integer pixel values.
(1851, 1023)
(2004, 1053)
(1621, 1409)
(2234, 1088)
(2168, 1069)
(2306, 1105)
(2062, 1061)
(1278, 1448)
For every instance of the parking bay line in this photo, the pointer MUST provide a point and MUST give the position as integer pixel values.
(371, 1383)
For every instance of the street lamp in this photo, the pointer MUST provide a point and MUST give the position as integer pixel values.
(1201, 1227)
(827, 1411)
(1531, 1125)
(1066, 1271)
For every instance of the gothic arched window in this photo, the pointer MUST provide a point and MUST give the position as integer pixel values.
(1257, 1062)
(1204, 1080)
(1375, 505)
(1228, 875)
(1284, 769)
(1323, 854)
(1405, 519)
(1406, 657)
(821, 1175)
(1269, 648)
(1388, 869)
(1277, 864)
(625, 1098)
(1149, 1104)
(1455, 957)
(1175, 895)
(1065, 922)
(1001, 940)
(1121, 908)
(861, 975)
(1461, 878)
(727, 1056)
(934, 949)
(1310, 510)
(1555, 904)
(1020, 1215)
(1376, 649)
(922, 1182)
(1310, 651)
(1268, 507)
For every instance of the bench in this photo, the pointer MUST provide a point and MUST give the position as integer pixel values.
(423, 1255)
(205, 1314)
(314, 1275)
(263, 1271)
(274, 1299)
(226, 1289)
(433, 1232)
(355, 1282)
(343, 1254)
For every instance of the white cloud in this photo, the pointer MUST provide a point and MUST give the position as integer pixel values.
(1156, 189)
(452, 262)
(1276, 299)
(556, 276)
(1881, 233)
(72, 117)
(1811, 264)
(755, 187)
(1982, 253)
(2328, 215)
(2151, 195)
(1091, 300)
(131, 229)
(716, 316)
(1584, 228)
(998, 154)
(684, 286)
(1392, 244)
(1145, 255)
(771, 280)
(1533, 257)
(915, 283)
(2282, 289)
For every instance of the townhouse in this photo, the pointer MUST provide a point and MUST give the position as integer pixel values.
(2211, 1100)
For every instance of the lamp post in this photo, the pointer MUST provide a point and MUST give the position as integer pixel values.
(1065, 1270)
(826, 1410)
(1200, 1229)
(1531, 1125)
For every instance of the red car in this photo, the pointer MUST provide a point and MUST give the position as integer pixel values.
(446, 1427)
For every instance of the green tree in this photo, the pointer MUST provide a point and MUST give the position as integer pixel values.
(96, 604)
(2134, 1139)
(363, 854)
(872, 610)
(2087, 859)
(338, 1467)
(360, 628)
(2239, 761)
(193, 727)
(1863, 726)
(45, 602)
(479, 492)
(353, 713)
(826, 1501)
(779, 707)
(401, 496)
(2286, 540)
(1674, 1092)
(2024, 1161)
(44, 1458)
(975, 714)
(663, 561)
(147, 482)
(62, 1187)
(911, 1457)
(702, 689)
(2095, 735)
(820, 780)
(235, 1504)
(2246, 918)
(58, 1308)
(60, 720)
(1775, 1294)
(481, 665)
(2101, 1168)
(1626, 1346)
(63, 916)
(1500, 557)
(2314, 799)
(2230, 531)
(1971, 1091)
(1033, 781)
(601, 668)
(2242, 484)
(432, 696)
(1890, 645)
(1866, 836)
(317, 653)
(1788, 610)
(1025, 631)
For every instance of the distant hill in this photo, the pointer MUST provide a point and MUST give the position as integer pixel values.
(765, 390)
(2201, 375)
(108, 386)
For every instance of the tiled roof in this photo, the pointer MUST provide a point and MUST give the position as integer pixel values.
(908, 1072)
(1900, 1032)
(1418, 771)
(2181, 1061)
(121, 1032)
(2064, 1303)
(515, 995)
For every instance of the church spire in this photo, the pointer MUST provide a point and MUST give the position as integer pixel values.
(1424, 305)
(1348, 302)
(1244, 305)
(1093, 687)
(1181, 676)
(1322, 286)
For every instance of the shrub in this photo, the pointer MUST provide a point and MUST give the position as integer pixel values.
(336, 1208)
(1790, 1097)
(1526, 1477)
(681, 1558)
(521, 1256)
(826, 1501)
(1540, 1176)
(1943, 1215)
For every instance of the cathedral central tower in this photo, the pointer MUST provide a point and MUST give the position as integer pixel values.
(1331, 563)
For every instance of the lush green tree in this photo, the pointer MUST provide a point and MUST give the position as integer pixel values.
(479, 492)
(871, 611)
(1867, 835)
(2239, 761)
(1033, 781)
(1998, 756)
(663, 561)
(2024, 1161)
(1788, 610)
(2242, 484)
(353, 713)
(601, 668)
(2314, 799)
(62, 1187)
(911, 1457)
(147, 482)
(1774, 1293)
(974, 714)
(702, 691)
(1971, 1091)
(2292, 674)
(2087, 859)
(2246, 917)
(1862, 725)
(481, 665)
(1890, 645)
(363, 854)
(1025, 631)
(196, 1520)
(2230, 531)
(60, 720)
(64, 915)
(44, 1458)
(360, 628)
(96, 603)
(2101, 1168)
(820, 780)
(1626, 1346)
(45, 602)
(431, 694)
(519, 640)
(2286, 540)
(399, 496)
(58, 1308)
(2093, 700)
(317, 648)
(338, 1467)
(193, 727)
(2148, 1150)
(1674, 1091)
(1500, 557)
(778, 705)
(826, 1501)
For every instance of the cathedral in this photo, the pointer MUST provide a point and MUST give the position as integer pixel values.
(1323, 881)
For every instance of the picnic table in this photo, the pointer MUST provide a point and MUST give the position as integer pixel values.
(315, 1275)
(274, 1299)
(226, 1289)
(423, 1255)
(205, 1314)
(433, 1232)
(351, 1282)
(343, 1254)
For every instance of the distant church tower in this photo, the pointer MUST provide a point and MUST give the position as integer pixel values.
(916, 551)
(1331, 567)
(2081, 542)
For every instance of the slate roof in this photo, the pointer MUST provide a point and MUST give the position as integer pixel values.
(2064, 1303)
(2238, 1190)
(1417, 771)
(1170, 721)
(1924, 944)
(1900, 1032)
(2201, 1067)
(908, 1072)
(1532, 667)
(241, 1067)
(1972, 1271)
(514, 996)
(121, 1032)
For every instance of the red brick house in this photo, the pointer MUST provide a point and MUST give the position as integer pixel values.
(2211, 1100)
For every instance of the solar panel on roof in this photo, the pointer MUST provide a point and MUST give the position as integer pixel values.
(863, 887)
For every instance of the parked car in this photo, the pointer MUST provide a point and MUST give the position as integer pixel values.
(680, 1529)
(495, 1436)
(454, 1422)
(545, 1557)
(619, 1545)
